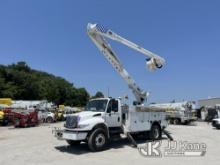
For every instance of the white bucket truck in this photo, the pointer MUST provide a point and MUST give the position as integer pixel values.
(104, 118)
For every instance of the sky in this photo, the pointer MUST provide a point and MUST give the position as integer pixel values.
(50, 35)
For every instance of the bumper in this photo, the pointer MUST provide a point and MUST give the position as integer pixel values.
(69, 135)
(189, 119)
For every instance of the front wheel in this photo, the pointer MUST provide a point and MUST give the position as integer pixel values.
(155, 133)
(98, 140)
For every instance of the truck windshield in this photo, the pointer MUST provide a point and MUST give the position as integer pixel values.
(96, 105)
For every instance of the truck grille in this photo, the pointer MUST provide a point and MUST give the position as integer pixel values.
(71, 122)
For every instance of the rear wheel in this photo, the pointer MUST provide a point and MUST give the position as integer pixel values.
(98, 140)
(176, 121)
(73, 142)
(49, 120)
(186, 122)
(5, 122)
(170, 121)
(155, 133)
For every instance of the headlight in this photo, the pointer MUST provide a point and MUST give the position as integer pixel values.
(82, 125)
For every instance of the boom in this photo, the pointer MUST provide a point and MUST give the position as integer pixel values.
(97, 34)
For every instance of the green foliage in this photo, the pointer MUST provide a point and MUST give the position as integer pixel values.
(20, 82)
(98, 95)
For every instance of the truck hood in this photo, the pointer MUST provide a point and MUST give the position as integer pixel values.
(218, 120)
(83, 120)
(88, 115)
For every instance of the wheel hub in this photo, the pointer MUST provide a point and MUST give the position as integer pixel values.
(100, 140)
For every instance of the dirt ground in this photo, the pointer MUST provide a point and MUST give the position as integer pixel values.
(27, 146)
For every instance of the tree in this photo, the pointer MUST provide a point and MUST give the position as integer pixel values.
(98, 95)
(20, 82)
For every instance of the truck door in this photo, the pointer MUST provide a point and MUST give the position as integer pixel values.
(113, 117)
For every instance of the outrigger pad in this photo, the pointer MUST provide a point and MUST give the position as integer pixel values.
(167, 134)
(132, 140)
(135, 144)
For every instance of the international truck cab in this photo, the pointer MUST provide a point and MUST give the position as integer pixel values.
(102, 110)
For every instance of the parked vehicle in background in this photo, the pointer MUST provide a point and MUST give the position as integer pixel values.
(179, 112)
(4, 102)
(59, 115)
(211, 113)
(216, 123)
(46, 116)
(25, 118)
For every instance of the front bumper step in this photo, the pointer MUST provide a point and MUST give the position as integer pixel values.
(69, 135)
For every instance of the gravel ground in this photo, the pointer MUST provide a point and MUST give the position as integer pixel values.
(37, 145)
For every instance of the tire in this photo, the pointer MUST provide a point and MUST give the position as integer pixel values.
(186, 122)
(98, 140)
(171, 121)
(72, 142)
(5, 122)
(155, 132)
(49, 120)
(26, 125)
(176, 121)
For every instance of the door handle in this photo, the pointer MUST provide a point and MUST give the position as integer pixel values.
(118, 119)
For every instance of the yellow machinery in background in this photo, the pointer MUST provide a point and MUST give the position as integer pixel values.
(1, 116)
(61, 106)
(6, 101)
(59, 112)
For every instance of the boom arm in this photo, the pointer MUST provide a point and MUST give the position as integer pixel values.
(97, 34)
